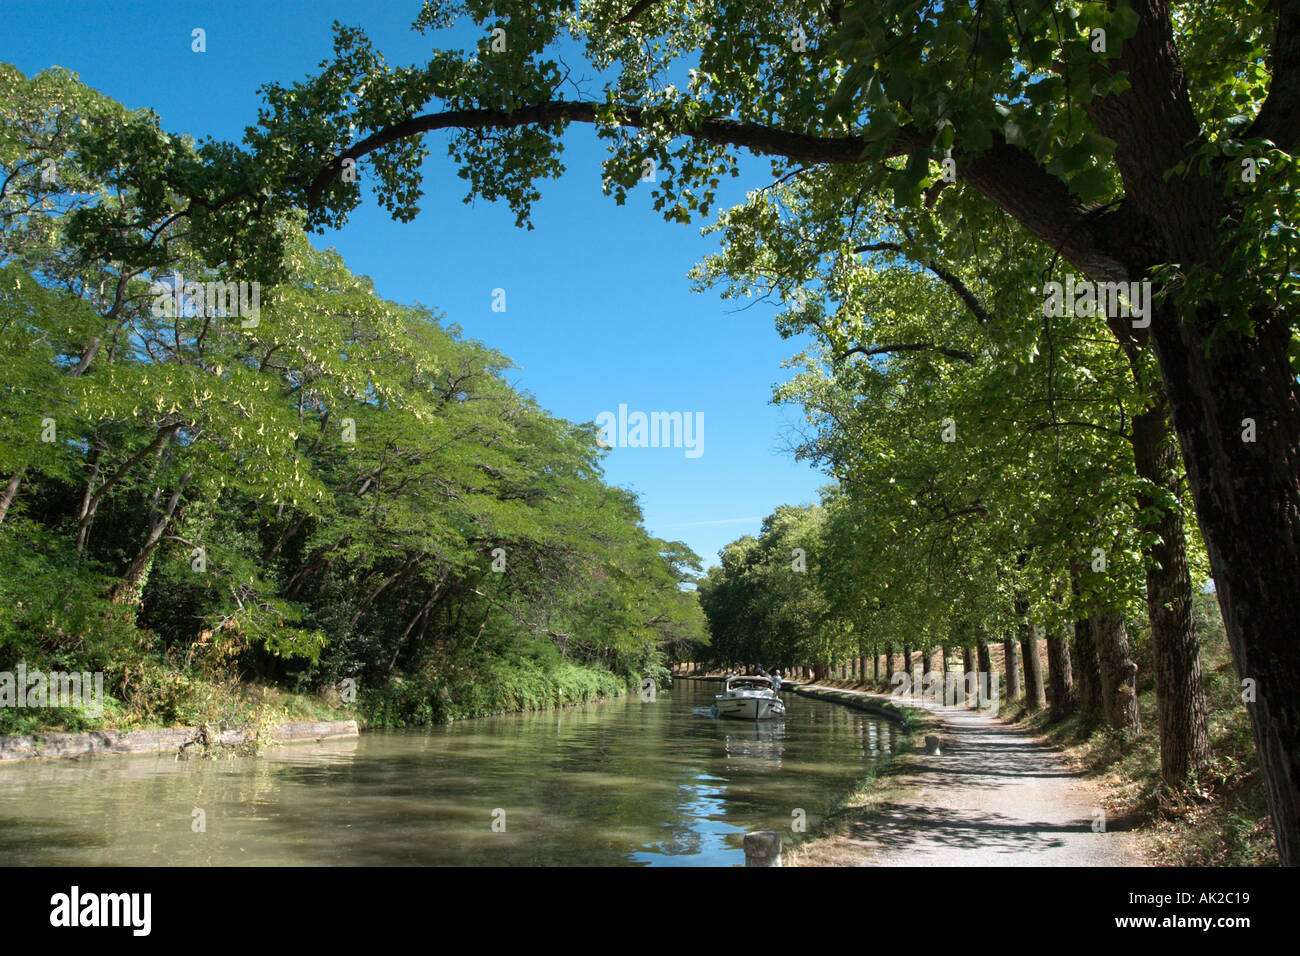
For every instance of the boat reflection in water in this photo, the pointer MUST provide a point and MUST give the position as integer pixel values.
(756, 740)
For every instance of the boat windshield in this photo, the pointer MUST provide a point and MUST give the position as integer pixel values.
(749, 683)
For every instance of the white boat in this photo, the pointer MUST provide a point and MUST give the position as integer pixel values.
(748, 698)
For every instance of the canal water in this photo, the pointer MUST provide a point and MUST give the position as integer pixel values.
(622, 782)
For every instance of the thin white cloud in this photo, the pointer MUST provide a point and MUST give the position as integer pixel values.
(700, 524)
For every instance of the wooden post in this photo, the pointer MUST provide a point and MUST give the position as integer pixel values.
(763, 848)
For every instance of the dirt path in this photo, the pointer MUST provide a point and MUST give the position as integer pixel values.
(995, 796)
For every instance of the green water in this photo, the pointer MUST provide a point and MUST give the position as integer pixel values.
(623, 782)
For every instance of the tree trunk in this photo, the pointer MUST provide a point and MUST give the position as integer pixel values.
(966, 660)
(1035, 695)
(1180, 694)
(1087, 669)
(128, 591)
(11, 490)
(1118, 672)
(1247, 498)
(281, 541)
(943, 657)
(1247, 492)
(1087, 665)
(1060, 677)
(985, 668)
(91, 502)
(401, 576)
(1011, 664)
(83, 528)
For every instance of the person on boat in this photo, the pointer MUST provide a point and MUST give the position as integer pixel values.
(776, 682)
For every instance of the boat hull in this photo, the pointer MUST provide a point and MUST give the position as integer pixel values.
(749, 708)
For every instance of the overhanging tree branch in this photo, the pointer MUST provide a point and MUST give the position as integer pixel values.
(723, 131)
(953, 281)
(906, 347)
(1006, 174)
(633, 15)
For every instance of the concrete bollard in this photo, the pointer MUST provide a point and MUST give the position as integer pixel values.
(932, 745)
(763, 848)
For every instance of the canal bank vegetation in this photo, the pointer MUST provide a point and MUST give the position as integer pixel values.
(306, 503)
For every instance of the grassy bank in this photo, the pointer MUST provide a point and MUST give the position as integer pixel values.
(440, 695)
(149, 695)
(152, 694)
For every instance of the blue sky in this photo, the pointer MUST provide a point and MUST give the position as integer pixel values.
(598, 307)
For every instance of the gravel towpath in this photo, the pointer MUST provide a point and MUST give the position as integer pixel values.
(994, 796)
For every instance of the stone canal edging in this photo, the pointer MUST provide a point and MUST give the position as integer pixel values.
(858, 700)
(178, 740)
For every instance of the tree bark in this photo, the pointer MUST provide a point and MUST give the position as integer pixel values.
(1247, 493)
(10, 492)
(128, 591)
(1087, 665)
(1247, 498)
(1087, 669)
(89, 506)
(1180, 693)
(1035, 693)
(1118, 672)
(986, 671)
(1011, 663)
(1060, 676)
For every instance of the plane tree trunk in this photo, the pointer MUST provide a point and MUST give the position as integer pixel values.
(1060, 676)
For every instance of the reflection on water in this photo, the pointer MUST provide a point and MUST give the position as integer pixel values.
(619, 782)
